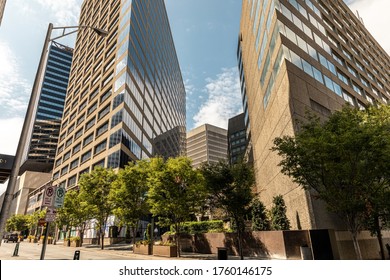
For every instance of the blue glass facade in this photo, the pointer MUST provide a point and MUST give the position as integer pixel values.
(40, 149)
(126, 97)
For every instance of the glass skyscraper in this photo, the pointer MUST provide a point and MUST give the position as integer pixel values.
(126, 97)
(41, 145)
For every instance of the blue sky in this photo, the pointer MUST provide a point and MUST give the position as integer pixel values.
(205, 34)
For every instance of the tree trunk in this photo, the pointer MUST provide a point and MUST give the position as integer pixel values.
(177, 238)
(239, 236)
(102, 238)
(379, 237)
(354, 230)
(356, 245)
(135, 227)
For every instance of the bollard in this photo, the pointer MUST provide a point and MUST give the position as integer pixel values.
(76, 255)
(16, 251)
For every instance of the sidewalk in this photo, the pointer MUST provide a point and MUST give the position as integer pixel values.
(32, 251)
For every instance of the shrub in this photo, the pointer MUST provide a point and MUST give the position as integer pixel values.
(201, 227)
(75, 238)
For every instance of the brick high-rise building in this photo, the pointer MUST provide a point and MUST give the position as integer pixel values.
(298, 55)
(207, 143)
(126, 97)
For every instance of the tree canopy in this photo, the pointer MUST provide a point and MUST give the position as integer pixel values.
(129, 194)
(94, 191)
(345, 159)
(176, 191)
(230, 188)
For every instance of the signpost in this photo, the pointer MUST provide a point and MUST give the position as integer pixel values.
(53, 198)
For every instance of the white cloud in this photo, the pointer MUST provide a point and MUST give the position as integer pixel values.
(375, 17)
(223, 100)
(65, 12)
(14, 89)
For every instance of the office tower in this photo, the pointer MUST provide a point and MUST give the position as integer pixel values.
(207, 143)
(42, 130)
(237, 140)
(2, 8)
(126, 97)
(298, 56)
(44, 127)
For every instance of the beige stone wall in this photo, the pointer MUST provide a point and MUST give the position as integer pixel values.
(369, 245)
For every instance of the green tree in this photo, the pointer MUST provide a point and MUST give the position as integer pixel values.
(230, 188)
(33, 219)
(129, 194)
(17, 223)
(75, 212)
(278, 217)
(94, 191)
(345, 159)
(260, 219)
(176, 192)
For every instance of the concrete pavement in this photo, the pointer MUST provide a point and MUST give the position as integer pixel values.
(32, 251)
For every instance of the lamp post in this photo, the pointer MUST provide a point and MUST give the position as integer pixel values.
(66, 30)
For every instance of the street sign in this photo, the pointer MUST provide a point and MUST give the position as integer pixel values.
(59, 197)
(48, 196)
(50, 215)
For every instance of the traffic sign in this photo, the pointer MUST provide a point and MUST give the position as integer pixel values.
(48, 196)
(50, 215)
(59, 197)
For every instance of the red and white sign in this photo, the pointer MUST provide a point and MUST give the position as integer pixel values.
(48, 196)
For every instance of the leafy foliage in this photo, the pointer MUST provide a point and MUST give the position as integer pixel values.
(278, 217)
(75, 212)
(201, 227)
(129, 194)
(17, 223)
(230, 188)
(176, 191)
(345, 160)
(260, 219)
(95, 188)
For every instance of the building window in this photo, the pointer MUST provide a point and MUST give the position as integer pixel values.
(100, 147)
(86, 156)
(66, 156)
(88, 139)
(72, 181)
(74, 164)
(64, 170)
(104, 111)
(102, 129)
(77, 148)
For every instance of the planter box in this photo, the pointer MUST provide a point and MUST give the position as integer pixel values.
(165, 251)
(76, 243)
(66, 243)
(142, 249)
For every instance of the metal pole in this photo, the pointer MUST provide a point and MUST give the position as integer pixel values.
(23, 136)
(45, 241)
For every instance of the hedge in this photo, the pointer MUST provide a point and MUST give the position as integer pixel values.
(201, 227)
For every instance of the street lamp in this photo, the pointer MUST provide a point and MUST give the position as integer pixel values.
(66, 30)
